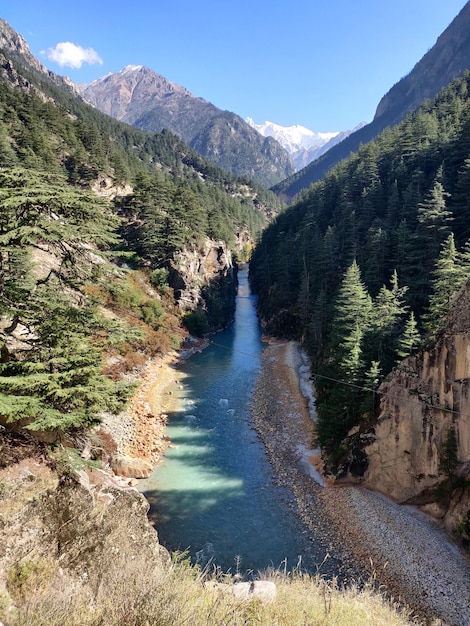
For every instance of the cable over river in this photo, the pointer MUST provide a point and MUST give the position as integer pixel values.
(215, 493)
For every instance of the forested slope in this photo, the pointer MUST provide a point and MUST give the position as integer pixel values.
(141, 97)
(364, 266)
(445, 61)
(92, 214)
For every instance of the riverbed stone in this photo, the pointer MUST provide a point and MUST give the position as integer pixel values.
(130, 467)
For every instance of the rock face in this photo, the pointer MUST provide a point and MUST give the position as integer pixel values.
(426, 399)
(204, 277)
(82, 532)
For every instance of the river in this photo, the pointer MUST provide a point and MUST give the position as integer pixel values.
(215, 494)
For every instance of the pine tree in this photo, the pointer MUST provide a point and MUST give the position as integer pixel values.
(58, 383)
(386, 323)
(434, 218)
(339, 396)
(410, 339)
(351, 314)
(372, 379)
(53, 379)
(448, 277)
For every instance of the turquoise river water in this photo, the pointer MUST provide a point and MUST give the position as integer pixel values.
(215, 494)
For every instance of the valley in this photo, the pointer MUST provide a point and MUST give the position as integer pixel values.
(231, 392)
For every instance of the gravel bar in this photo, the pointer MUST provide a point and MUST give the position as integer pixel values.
(397, 547)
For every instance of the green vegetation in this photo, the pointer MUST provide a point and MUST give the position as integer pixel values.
(85, 281)
(52, 379)
(368, 260)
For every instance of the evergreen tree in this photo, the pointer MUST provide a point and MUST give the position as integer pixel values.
(448, 277)
(339, 396)
(410, 339)
(58, 383)
(386, 323)
(372, 380)
(434, 217)
(351, 313)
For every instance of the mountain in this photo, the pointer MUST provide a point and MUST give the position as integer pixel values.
(303, 145)
(139, 96)
(292, 138)
(446, 60)
(75, 181)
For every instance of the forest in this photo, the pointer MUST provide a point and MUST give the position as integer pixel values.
(85, 286)
(363, 266)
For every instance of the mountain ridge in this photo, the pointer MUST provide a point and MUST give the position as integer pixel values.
(303, 144)
(447, 59)
(141, 97)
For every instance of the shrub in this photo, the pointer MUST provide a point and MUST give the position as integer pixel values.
(152, 313)
(159, 278)
(196, 323)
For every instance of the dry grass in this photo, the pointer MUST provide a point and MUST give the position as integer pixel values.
(131, 595)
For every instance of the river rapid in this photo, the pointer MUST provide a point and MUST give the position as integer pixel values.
(215, 494)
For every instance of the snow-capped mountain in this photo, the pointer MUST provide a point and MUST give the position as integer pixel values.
(292, 138)
(304, 145)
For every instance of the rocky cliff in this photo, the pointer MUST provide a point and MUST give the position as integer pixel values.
(67, 540)
(423, 431)
(204, 277)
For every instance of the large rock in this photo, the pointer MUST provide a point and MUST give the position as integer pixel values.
(89, 531)
(130, 467)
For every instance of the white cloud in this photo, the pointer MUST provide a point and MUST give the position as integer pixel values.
(68, 54)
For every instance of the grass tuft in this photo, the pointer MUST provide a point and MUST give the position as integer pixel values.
(179, 595)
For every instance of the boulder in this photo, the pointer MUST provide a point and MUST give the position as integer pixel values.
(130, 467)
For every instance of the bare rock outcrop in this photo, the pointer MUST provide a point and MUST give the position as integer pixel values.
(130, 467)
(203, 276)
(425, 402)
(81, 531)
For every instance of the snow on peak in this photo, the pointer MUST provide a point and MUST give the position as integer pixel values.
(292, 138)
(131, 68)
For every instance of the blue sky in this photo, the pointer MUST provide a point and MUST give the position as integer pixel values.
(323, 64)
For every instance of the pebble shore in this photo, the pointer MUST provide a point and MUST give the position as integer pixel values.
(397, 547)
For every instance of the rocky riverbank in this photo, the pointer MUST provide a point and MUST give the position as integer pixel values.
(139, 432)
(399, 547)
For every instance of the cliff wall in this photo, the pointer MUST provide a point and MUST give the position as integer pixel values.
(203, 276)
(425, 402)
(82, 537)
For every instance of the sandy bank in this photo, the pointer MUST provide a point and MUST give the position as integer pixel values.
(401, 548)
(139, 432)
